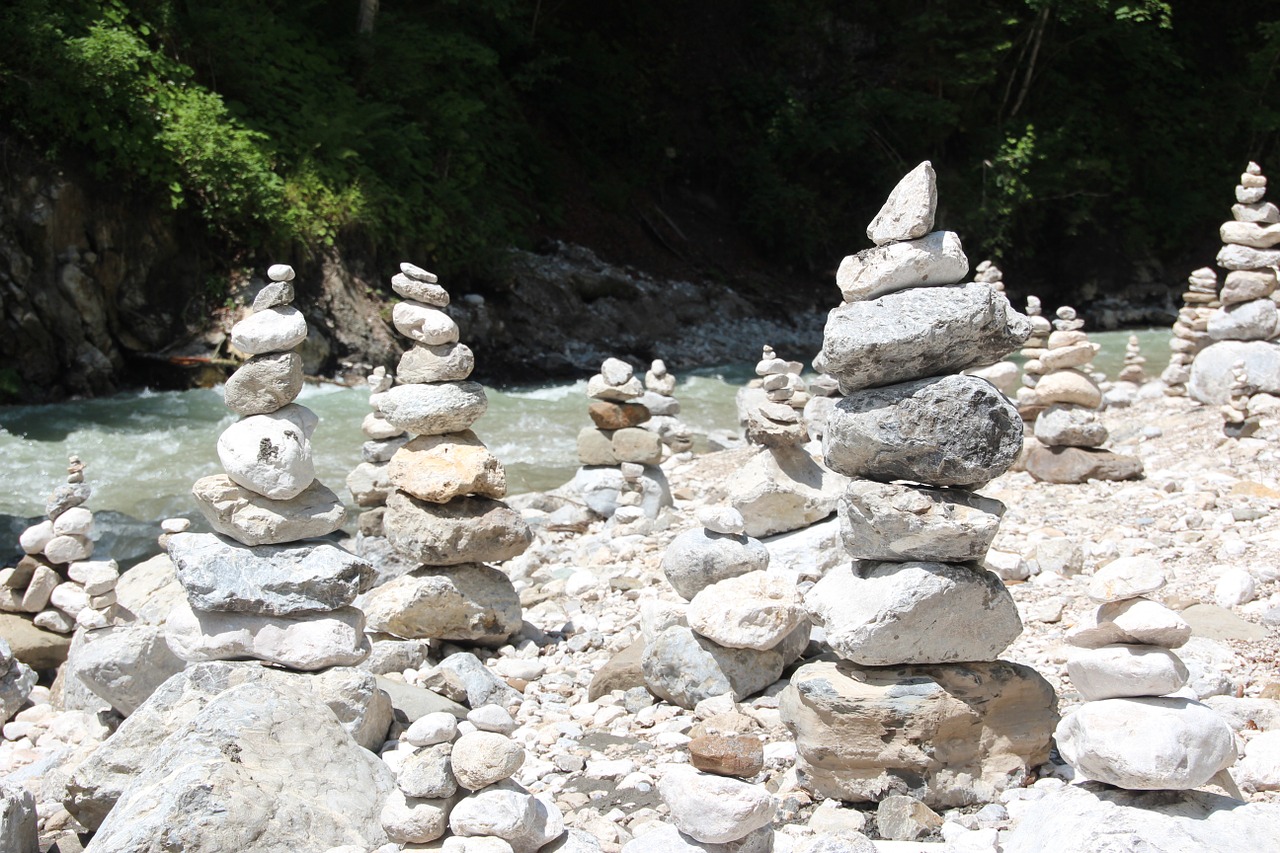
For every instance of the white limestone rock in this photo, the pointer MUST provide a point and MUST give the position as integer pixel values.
(890, 521)
(274, 330)
(481, 759)
(1138, 621)
(307, 641)
(1114, 671)
(268, 454)
(424, 324)
(434, 409)
(751, 611)
(930, 261)
(908, 211)
(698, 558)
(1126, 577)
(469, 602)
(252, 519)
(714, 809)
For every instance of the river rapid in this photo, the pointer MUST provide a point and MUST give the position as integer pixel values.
(144, 449)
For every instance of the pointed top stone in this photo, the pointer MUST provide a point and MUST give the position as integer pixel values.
(908, 212)
(417, 273)
(1253, 168)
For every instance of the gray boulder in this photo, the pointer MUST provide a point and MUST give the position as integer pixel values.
(470, 602)
(942, 431)
(1211, 371)
(352, 696)
(262, 767)
(276, 580)
(18, 833)
(888, 521)
(251, 519)
(264, 383)
(684, 669)
(464, 530)
(1255, 320)
(306, 641)
(923, 331)
(123, 665)
(698, 558)
(1069, 426)
(882, 614)
(782, 489)
(433, 409)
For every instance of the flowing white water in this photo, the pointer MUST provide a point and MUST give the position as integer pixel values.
(145, 449)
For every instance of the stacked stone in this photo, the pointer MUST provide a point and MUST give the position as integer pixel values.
(659, 388)
(1129, 732)
(1003, 374)
(916, 622)
(1133, 371)
(1191, 329)
(778, 421)
(262, 587)
(56, 580)
(444, 512)
(1237, 420)
(456, 777)
(742, 625)
(1032, 348)
(368, 482)
(1249, 321)
(1068, 433)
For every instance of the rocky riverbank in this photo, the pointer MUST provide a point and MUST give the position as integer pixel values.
(596, 744)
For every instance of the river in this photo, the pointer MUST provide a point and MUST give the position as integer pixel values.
(143, 450)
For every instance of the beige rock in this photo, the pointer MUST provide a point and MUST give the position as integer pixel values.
(1069, 386)
(439, 468)
(252, 519)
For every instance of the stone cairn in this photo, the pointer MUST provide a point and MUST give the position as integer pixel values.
(620, 478)
(1191, 329)
(917, 701)
(659, 399)
(55, 580)
(1247, 324)
(778, 420)
(368, 481)
(1128, 732)
(1033, 348)
(742, 624)
(261, 587)
(1237, 420)
(444, 513)
(1133, 370)
(1069, 435)
(1004, 374)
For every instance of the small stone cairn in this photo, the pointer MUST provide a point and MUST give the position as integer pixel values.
(659, 399)
(1133, 370)
(1237, 419)
(778, 420)
(444, 512)
(916, 624)
(1003, 374)
(1033, 348)
(620, 478)
(368, 481)
(1067, 429)
(742, 625)
(1191, 329)
(55, 580)
(261, 587)
(1247, 324)
(1129, 732)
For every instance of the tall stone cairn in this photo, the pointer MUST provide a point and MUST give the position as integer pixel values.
(1068, 432)
(444, 512)
(1246, 326)
(1029, 405)
(1129, 732)
(1191, 329)
(368, 481)
(916, 622)
(262, 587)
(56, 580)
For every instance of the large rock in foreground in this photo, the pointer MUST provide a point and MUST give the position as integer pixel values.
(941, 431)
(351, 695)
(949, 735)
(262, 768)
(882, 614)
(924, 331)
(1098, 817)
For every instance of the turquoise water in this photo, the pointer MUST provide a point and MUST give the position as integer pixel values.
(143, 450)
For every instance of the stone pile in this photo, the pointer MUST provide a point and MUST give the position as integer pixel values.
(917, 701)
(1032, 349)
(1003, 374)
(1133, 370)
(368, 481)
(261, 587)
(1130, 732)
(444, 513)
(778, 419)
(824, 392)
(742, 625)
(1069, 435)
(620, 478)
(1249, 321)
(455, 777)
(1237, 419)
(659, 399)
(1191, 329)
(55, 580)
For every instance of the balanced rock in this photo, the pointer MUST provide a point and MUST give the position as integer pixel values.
(434, 409)
(890, 521)
(935, 259)
(908, 211)
(714, 809)
(468, 602)
(276, 329)
(439, 468)
(268, 454)
(698, 558)
(464, 530)
(751, 611)
(264, 383)
(684, 669)
(1079, 464)
(251, 519)
(306, 641)
(445, 363)
(1119, 670)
